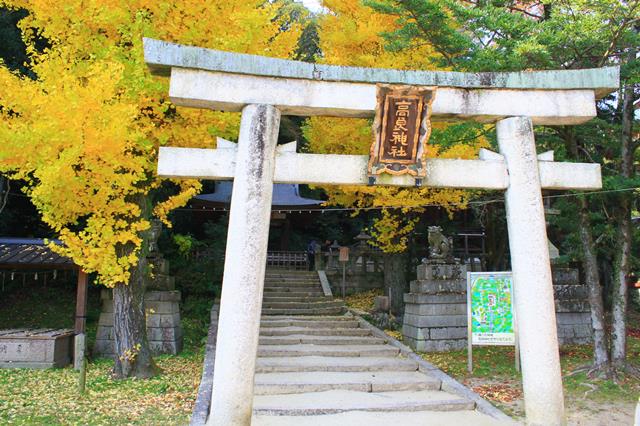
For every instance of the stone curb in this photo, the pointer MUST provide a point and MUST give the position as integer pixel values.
(203, 399)
(449, 384)
(324, 281)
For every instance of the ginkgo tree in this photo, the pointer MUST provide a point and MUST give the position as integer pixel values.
(353, 34)
(84, 132)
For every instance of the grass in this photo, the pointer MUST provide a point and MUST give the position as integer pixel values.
(496, 379)
(50, 397)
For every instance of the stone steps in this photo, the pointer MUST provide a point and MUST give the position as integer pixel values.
(372, 418)
(293, 285)
(301, 305)
(305, 339)
(301, 322)
(327, 350)
(318, 367)
(287, 331)
(314, 381)
(338, 401)
(280, 299)
(335, 364)
(301, 311)
(287, 292)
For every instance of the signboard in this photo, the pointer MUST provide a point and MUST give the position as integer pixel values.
(401, 129)
(343, 255)
(490, 312)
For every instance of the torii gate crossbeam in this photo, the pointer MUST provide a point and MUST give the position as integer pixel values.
(264, 88)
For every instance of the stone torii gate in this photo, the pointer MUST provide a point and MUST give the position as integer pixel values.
(264, 88)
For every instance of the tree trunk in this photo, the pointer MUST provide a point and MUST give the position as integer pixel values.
(590, 265)
(395, 283)
(623, 255)
(621, 273)
(133, 356)
(601, 361)
(4, 192)
(131, 347)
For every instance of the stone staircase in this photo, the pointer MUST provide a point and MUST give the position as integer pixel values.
(317, 366)
(296, 293)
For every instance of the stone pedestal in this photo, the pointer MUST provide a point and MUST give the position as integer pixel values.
(162, 304)
(435, 318)
(164, 331)
(573, 313)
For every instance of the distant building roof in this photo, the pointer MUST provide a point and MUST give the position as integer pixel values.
(16, 253)
(284, 195)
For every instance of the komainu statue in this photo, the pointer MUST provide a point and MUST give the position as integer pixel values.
(440, 247)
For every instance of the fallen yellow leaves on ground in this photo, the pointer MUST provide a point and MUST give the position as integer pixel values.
(51, 397)
(363, 301)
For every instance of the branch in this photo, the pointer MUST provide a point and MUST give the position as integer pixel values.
(5, 197)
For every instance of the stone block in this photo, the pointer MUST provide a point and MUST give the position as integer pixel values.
(416, 298)
(106, 294)
(160, 265)
(164, 334)
(381, 304)
(104, 333)
(573, 318)
(170, 296)
(444, 271)
(440, 286)
(161, 307)
(572, 306)
(107, 306)
(565, 276)
(103, 347)
(106, 318)
(162, 282)
(436, 321)
(416, 333)
(162, 320)
(436, 345)
(162, 347)
(576, 292)
(35, 348)
(436, 309)
(448, 333)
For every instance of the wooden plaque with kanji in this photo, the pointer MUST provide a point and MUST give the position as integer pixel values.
(401, 129)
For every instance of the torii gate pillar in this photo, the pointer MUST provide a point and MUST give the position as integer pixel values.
(533, 299)
(244, 267)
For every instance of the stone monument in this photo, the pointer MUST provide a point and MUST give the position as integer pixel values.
(162, 305)
(573, 312)
(435, 318)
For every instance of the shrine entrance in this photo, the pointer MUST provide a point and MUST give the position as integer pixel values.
(264, 88)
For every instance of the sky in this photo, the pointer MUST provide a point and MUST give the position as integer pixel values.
(312, 5)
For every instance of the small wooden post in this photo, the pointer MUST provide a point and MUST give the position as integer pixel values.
(81, 319)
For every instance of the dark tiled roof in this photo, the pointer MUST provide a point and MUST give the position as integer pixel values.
(23, 252)
(284, 195)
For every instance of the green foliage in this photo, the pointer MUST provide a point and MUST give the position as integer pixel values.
(185, 244)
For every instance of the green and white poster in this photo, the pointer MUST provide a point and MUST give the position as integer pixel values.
(490, 312)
